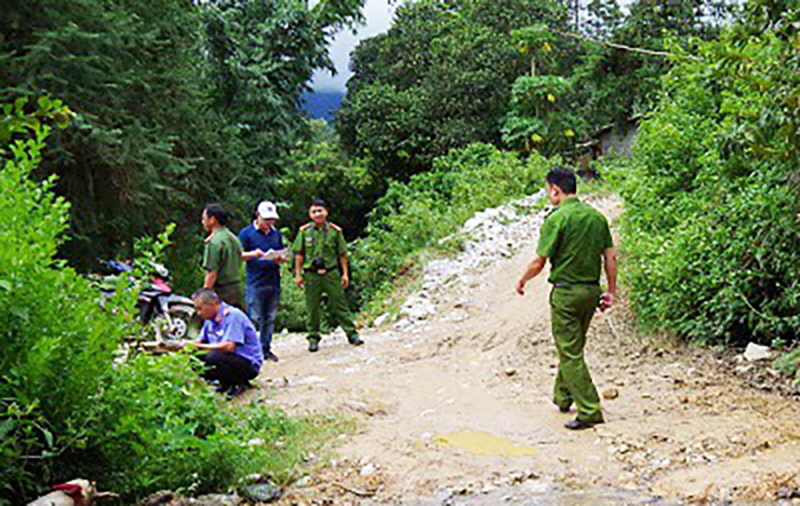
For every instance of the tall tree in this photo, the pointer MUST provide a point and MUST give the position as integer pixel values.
(440, 78)
(262, 55)
(613, 83)
(145, 146)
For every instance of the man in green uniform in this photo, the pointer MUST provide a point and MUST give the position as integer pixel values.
(222, 257)
(574, 237)
(320, 256)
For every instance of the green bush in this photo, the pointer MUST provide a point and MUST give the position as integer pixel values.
(160, 428)
(713, 191)
(292, 313)
(66, 410)
(433, 205)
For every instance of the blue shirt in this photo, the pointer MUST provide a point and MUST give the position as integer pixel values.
(232, 324)
(261, 272)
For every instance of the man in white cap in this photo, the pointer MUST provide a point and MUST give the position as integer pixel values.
(263, 251)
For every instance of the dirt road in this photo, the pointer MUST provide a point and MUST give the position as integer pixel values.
(457, 410)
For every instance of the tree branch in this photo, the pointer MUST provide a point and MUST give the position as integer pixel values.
(623, 47)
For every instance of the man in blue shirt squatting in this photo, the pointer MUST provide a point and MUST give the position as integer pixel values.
(228, 336)
(263, 278)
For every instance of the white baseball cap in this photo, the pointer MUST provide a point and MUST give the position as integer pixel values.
(267, 210)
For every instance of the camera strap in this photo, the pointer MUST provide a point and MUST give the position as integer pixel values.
(319, 253)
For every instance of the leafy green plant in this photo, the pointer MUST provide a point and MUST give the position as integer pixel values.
(712, 193)
(541, 113)
(789, 363)
(65, 408)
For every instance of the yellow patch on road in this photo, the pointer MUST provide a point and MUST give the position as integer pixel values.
(483, 443)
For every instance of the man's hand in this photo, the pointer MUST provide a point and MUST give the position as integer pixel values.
(173, 345)
(606, 301)
(533, 270)
(298, 280)
(345, 280)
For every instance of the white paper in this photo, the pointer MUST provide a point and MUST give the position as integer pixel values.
(272, 254)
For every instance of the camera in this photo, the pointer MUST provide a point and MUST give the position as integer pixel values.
(318, 264)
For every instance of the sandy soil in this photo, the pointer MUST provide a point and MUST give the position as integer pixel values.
(461, 406)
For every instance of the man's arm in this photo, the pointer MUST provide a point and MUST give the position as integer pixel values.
(533, 270)
(233, 336)
(224, 346)
(341, 252)
(345, 270)
(210, 280)
(211, 263)
(252, 255)
(610, 260)
(298, 269)
(248, 252)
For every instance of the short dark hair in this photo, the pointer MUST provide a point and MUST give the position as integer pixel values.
(216, 211)
(206, 296)
(564, 179)
(317, 202)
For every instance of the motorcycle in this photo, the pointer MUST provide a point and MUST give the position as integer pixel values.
(170, 316)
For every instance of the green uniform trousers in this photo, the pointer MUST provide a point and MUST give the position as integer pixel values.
(571, 310)
(331, 284)
(231, 293)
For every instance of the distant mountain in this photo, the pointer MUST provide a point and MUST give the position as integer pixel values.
(322, 104)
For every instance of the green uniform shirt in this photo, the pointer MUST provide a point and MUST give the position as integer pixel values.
(574, 237)
(223, 255)
(326, 243)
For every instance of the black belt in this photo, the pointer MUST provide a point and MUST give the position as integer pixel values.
(582, 283)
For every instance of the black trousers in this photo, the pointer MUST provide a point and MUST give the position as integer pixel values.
(227, 368)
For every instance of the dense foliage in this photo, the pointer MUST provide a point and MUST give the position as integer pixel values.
(439, 79)
(518, 74)
(66, 409)
(412, 218)
(614, 84)
(178, 103)
(713, 192)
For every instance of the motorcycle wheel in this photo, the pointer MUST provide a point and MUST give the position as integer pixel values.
(185, 323)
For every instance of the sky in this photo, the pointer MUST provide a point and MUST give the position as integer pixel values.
(378, 14)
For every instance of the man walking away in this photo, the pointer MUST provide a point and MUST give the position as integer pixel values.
(222, 257)
(574, 237)
(263, 276)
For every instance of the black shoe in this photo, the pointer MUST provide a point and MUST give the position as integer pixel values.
(268, 355)
(237, 390)
(313, 347)
(355, 341)
(577, 424)
(563, 409)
